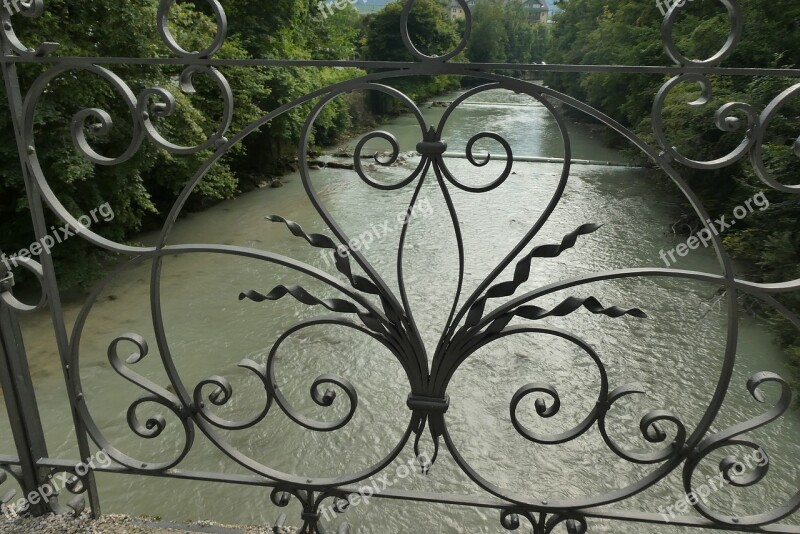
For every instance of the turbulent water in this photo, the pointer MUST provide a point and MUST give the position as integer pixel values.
(676, 352)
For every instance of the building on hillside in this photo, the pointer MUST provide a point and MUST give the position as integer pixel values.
(537, 10)
(457, 12)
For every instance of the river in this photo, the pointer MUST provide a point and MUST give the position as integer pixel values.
(676, 352)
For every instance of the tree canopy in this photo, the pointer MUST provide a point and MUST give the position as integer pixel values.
(141, 190)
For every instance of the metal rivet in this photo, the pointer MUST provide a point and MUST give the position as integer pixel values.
(735, 519)
(79, 396)
(544, 503)
(31, 150)
(146, 115)
(144, 465)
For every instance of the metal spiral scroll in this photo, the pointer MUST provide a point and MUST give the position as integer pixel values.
(326, 398)
(734, 36)
(155, 424)
(77, 486)
(757, 156)
(544, 410)
(407, 41)
(542, 523)
(310, 502)
(223, 393)
(8, 298)
(727, 117)
(725, 120)
(730, 438)
(650, 427)
(74, 484)
(99, 122)
(102, 123)
(167, 108)
(509, 155)
(220, 20)
(32, 9)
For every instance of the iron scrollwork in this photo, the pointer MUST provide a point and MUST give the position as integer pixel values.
(366, 304)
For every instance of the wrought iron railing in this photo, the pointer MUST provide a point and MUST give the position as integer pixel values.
(368, 305)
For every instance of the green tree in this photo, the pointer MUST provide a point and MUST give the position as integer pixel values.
(429, 26)
(489, 42)
(136, 189)
(502, 33)
(293, 29)
(143, 188)
(432, 32)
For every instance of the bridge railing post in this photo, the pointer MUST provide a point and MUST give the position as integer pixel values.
(20, 398)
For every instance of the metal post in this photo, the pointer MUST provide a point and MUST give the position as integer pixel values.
(20, 398)
(49, 282)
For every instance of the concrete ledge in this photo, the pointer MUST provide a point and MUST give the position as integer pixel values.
(114, 524)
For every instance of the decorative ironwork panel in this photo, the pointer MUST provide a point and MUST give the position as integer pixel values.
(366, 303)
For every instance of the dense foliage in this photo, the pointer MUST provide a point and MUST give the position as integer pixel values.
(133, 189)
(141, 190)
(432, 32)
(628, 32)
(501, 33)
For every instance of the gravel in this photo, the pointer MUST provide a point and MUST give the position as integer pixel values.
(119, 524)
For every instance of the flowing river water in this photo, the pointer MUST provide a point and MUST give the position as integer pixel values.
(676, 352)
